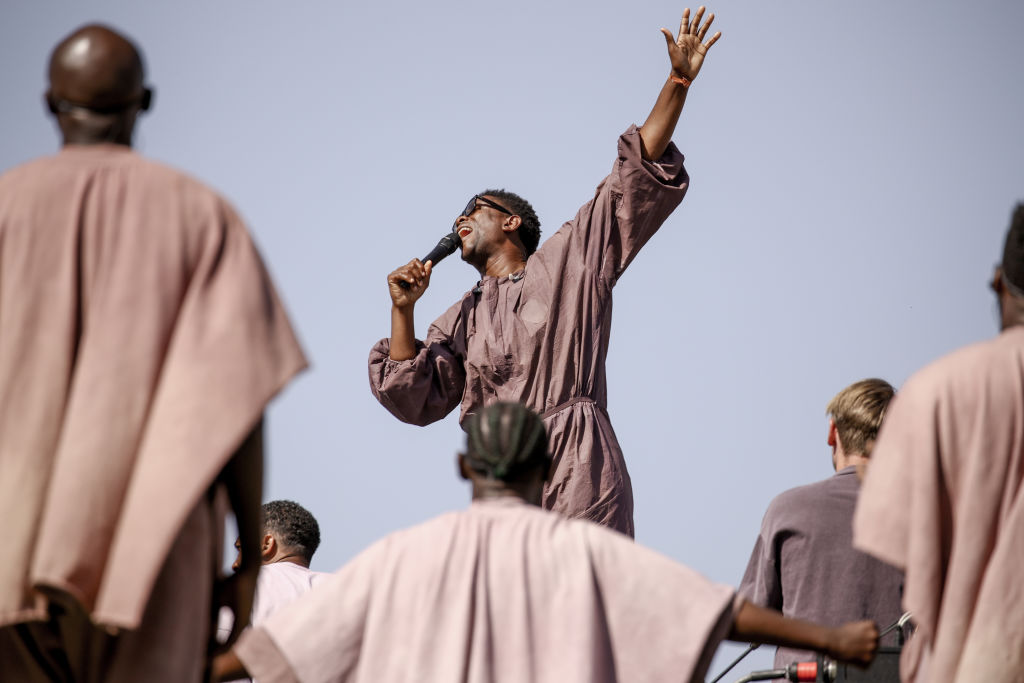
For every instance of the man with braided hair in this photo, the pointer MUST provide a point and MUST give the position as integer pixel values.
(536, 327)
(506, 591)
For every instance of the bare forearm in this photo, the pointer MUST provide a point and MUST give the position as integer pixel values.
(686, 55)
(856, 641)
(657, 130)
(403, 337)
(755, 624)
(228, 667)
(243, 478)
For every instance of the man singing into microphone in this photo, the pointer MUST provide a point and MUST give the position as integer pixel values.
(535, 328)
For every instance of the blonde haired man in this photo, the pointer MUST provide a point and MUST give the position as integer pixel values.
(803, 563)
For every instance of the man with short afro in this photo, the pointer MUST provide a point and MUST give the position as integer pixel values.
(291, 536)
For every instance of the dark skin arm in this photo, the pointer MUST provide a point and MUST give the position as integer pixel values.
(855, 642)
(243, 478)
(228, 667)
(686, 54)
(403, 301)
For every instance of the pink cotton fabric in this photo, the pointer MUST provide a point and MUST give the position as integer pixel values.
(943, 499)
(278, 585)
(503, 591)
(540, 337)
(140, 340)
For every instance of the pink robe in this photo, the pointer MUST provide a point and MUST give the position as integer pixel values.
(944, 500)
(279, 584)
(503, 591)
(140, 340)
(540, 337)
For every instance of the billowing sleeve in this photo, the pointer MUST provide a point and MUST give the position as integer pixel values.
(761, 583)
(319, 637)
(627, 209)
(665, 619)
(426, 387)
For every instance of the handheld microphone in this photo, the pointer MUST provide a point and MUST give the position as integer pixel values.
(445, 246)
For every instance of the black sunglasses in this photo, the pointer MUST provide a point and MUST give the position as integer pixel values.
(471, 206)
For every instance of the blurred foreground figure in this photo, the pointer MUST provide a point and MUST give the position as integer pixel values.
(140, 340)
(535, 329)
(943, 498)
(506, 591)
(804, 563)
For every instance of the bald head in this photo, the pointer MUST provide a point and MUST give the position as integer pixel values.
(96, 86)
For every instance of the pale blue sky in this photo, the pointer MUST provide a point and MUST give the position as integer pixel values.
(853, 169)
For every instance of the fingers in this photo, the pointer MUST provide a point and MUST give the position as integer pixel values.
(669, 38)
(714, 39)
(692, 29)
(412, 273)
(684, 24)
(704, 29)
(412, 276)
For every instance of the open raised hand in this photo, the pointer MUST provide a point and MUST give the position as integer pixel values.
(687, 51)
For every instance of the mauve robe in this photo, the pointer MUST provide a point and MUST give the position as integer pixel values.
(503, 591)
(140, 340)
(805, 566)
(943, 498)
(540, 337)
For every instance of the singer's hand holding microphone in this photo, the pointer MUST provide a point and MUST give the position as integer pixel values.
(408, 283)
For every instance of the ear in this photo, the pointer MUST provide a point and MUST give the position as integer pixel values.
(51, 102)
(833, 435)
(512, 223)
(146, 101)
(268, 547)
(463, 466)
(997, 280)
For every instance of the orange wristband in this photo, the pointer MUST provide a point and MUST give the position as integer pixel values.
(681, 80)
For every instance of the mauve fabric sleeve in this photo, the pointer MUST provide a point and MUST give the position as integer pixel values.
(262, 658)
(422, 389)
(761, 581)
(629, 206)
(656, 604)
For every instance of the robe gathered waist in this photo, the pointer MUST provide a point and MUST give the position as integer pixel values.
(551, 412)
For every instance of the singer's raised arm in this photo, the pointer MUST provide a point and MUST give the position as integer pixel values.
(686, 55)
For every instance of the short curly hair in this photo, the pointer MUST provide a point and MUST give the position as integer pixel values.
(293, 526)
(529, 230)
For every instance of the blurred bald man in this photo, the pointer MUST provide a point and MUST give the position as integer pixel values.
(140, 341)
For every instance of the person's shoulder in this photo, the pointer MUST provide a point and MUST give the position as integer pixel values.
(968, 370)
(799, 499)
(32, 172)
(166, 175)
